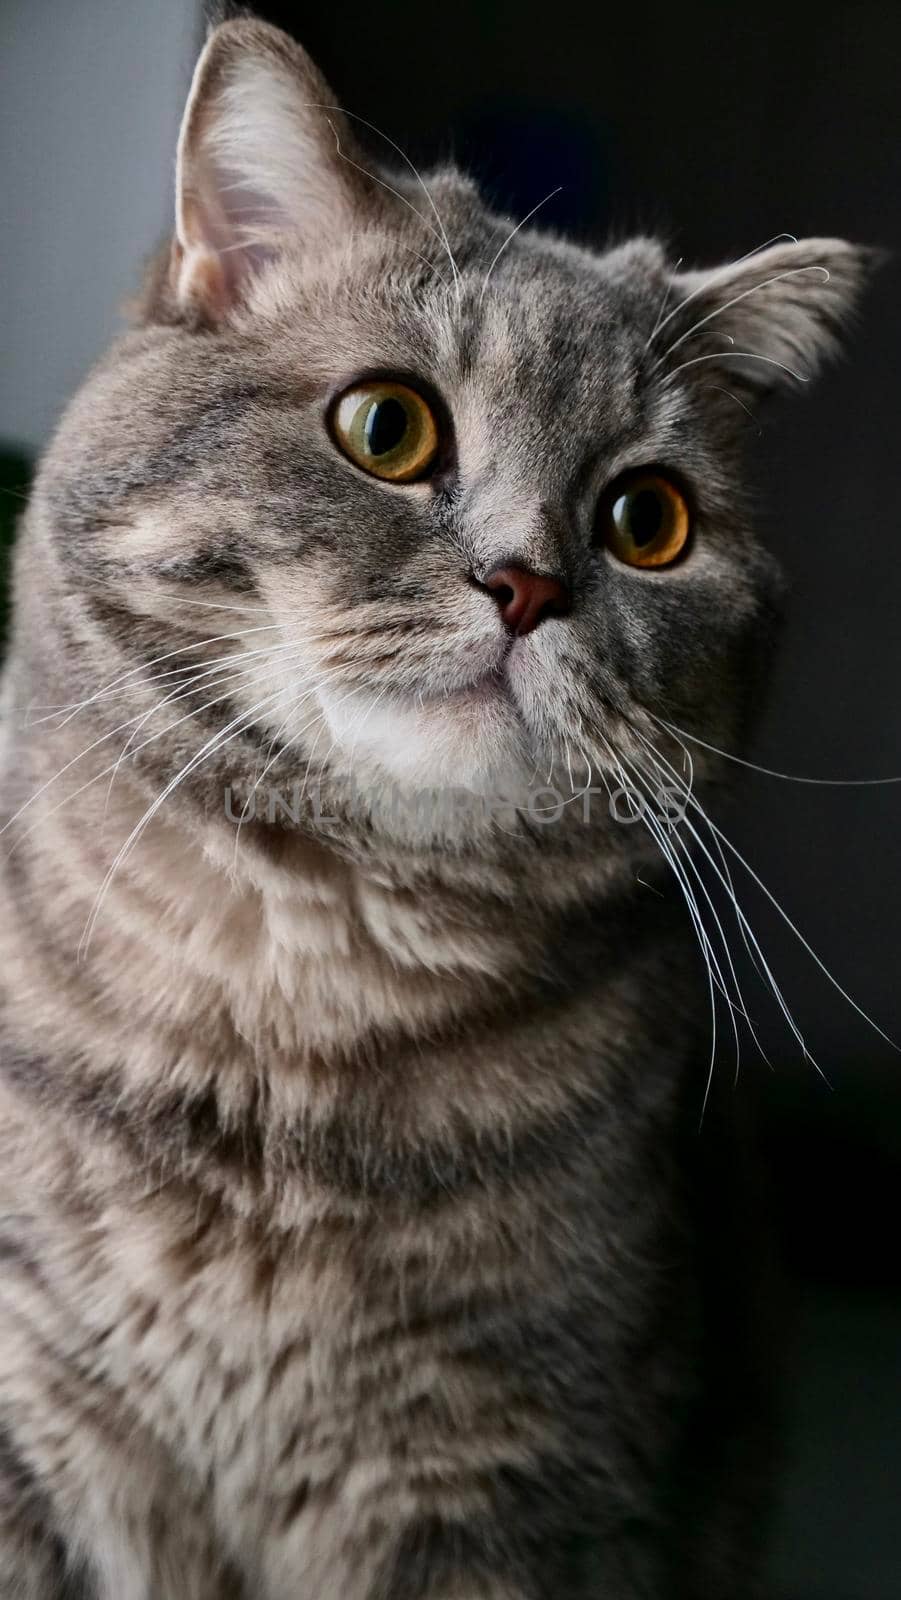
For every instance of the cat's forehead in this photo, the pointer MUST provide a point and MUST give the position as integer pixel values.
(531, 325)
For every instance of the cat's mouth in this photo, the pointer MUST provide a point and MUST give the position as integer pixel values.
(489, 683)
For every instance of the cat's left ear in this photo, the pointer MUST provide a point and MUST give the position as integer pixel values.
(764, 321)
(265, 161)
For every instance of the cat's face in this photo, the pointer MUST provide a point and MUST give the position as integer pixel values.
(473, 497)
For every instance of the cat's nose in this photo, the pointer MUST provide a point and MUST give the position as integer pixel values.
(526, 598)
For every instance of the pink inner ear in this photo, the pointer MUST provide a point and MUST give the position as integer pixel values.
(257, 163)
(227, 218)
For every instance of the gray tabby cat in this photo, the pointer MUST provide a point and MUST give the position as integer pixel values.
(354, 1242)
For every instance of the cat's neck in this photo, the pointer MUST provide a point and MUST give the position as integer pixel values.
(203, 994)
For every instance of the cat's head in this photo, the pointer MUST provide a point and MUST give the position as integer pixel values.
(462, 498)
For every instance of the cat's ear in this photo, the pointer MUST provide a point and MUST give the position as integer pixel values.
(265, 158)
(766, 320)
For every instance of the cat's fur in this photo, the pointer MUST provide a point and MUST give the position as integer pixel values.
(351, 1237)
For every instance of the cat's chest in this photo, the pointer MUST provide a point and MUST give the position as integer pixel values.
(303, 1396)
(283, 1444)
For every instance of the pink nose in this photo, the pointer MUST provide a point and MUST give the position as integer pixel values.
(525, 598)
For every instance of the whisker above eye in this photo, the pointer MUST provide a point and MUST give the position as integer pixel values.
(512, 235)
(745, 355)
(713, 277)
(663, 304)
(442, 233)
(746, 409)
(791, 272)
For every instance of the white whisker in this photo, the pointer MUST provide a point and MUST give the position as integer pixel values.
(712, 277)
(242, 633)
(692, 865)
(105, 772)
(746, 409)
(707, 953)
(770, 772)
(743, 355)
(242, 677)
(663, 304)
(289, 745)
(661, 762)
(724, 877)
(442, 233)
(512, 234)
(139, 717)
(218, 741)
(792, 272)
(800, 937)
(206, 605)
(719, 836)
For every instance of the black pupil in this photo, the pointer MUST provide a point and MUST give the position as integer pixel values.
(646, 514)
(385, 426)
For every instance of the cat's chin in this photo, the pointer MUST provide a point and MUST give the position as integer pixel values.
(471, 739)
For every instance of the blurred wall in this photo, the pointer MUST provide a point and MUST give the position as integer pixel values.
(90, 96)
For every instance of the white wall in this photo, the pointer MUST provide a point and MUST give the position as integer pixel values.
(90, 97)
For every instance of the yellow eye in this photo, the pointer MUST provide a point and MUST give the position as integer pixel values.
(387, 429)
(645, 520)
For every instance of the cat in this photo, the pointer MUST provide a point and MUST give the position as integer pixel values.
(355, 1238)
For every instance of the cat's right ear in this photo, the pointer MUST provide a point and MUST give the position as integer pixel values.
(265, 162)
(770, 318)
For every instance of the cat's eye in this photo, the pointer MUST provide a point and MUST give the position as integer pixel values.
(387, 429)
(644, 520)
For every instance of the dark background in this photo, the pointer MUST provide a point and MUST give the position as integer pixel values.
(721, 126)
